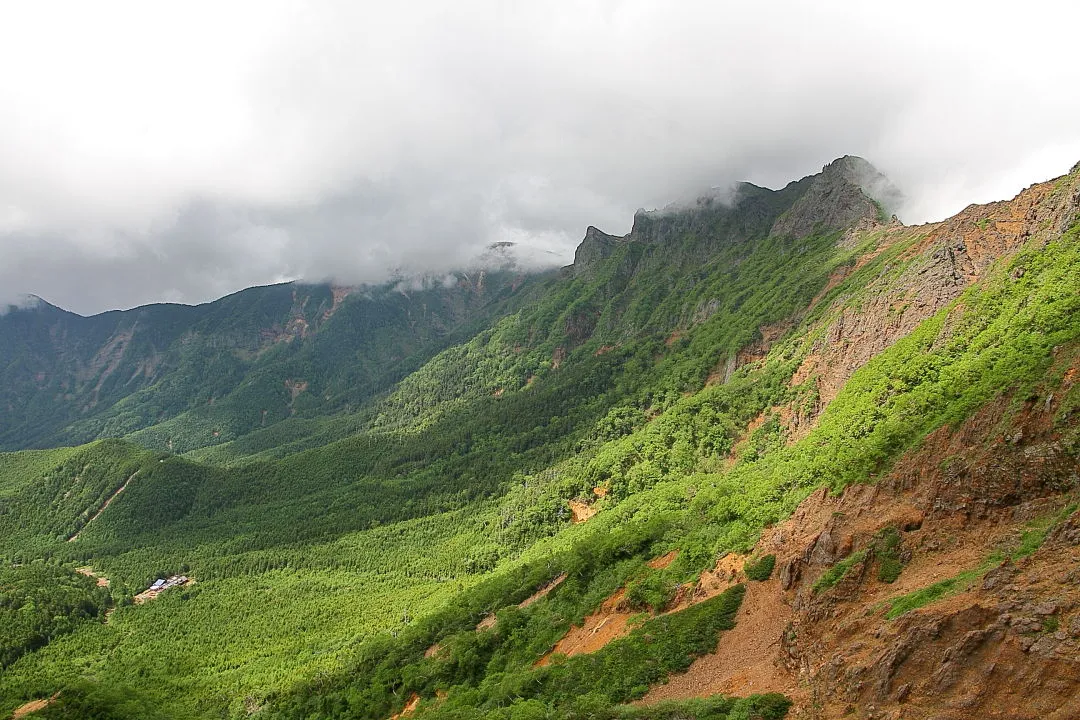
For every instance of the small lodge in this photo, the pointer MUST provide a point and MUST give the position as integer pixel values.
(160, 585)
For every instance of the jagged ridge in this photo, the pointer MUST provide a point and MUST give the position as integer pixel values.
(689, 406)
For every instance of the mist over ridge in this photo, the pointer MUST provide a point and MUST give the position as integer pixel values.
(339, 142)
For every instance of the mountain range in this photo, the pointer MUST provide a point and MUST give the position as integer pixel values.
(772, 453)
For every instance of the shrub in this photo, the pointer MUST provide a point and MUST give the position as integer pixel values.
(887, 551)
(837, 572)
(760, 569)
(925, 596)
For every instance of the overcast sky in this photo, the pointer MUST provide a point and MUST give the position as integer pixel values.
(181, 151)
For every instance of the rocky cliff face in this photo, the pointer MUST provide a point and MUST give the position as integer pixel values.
(948, 590)
(669, 249)
(968, 510)
(594, 248)
(744, 213)
(937, 263)
(847, 191)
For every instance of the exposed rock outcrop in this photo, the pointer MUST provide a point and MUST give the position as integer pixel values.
(1003, 640)
(941, 261)
(847, 191)
(596, 246)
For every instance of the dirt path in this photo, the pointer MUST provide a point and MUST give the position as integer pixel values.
(88, 571)
(663, 561)
(610, 622)
(409, 709)
(108, 502)
(745, 661)
(542, 592)
(490, 620)
(31, 707)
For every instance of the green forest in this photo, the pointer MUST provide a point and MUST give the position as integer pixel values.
(345, 543)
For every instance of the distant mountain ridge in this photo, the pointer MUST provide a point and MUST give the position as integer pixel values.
(68, 379)
(264, 354)
(771, 454)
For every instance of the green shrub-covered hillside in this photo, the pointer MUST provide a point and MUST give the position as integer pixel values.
(372, 497)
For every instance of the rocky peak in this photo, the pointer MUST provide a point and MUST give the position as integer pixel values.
(596, 246)
(657, 226)
(846, 191)
(23, 302)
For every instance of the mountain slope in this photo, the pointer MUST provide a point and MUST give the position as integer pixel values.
(181, 378)
(1006, 335)
(215, 371)
(685, 388)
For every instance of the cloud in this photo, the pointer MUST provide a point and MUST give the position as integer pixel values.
(18, 301)
(156, 152)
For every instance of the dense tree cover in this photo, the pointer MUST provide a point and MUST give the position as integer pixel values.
(20, 469)
(178, 377)
(55, 505)
(331, 553)
(494, 669)
(87, 700)
(39, 602)
(222, 643)
(761, 490)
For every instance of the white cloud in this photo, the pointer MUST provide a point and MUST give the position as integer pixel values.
(183, 151)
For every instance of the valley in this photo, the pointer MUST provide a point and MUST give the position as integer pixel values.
(783, 457)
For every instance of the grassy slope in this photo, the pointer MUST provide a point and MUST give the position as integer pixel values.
(282, 524)
(1001, 338)
(342, 582)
